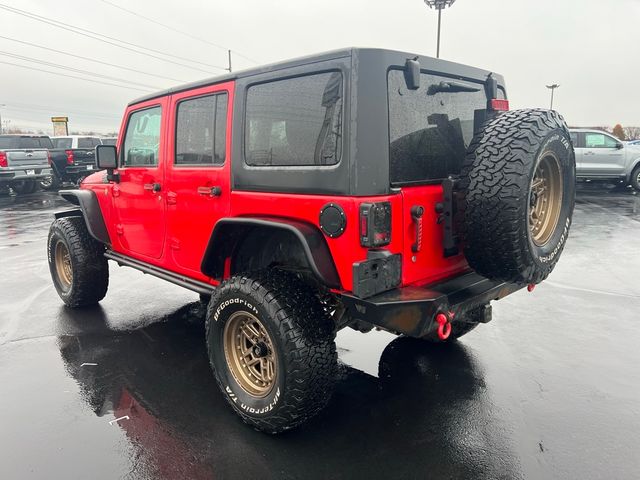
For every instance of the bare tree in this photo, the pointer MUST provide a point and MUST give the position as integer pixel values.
(618, 131)
(632, 133)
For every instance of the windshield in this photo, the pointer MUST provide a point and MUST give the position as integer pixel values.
(430, 128)
(61, 142)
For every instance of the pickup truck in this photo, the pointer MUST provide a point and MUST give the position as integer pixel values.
(24, 162)
(600, 156)
(72, 158)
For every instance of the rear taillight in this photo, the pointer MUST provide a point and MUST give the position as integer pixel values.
(3, 159)
(49, 159)
(499, 105)
(375, 224)
(69, 156)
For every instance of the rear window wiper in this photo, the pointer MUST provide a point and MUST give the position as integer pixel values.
(450, 87)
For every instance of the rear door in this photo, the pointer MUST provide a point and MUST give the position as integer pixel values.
(139, 196)
(602, 155)
(198, 171)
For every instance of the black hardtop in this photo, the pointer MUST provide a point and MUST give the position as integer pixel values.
(370, 55)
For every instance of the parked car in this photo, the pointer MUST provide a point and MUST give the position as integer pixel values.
(601, 156)
(362, 188)
(633, 142)
(109, 140)
(24, 162)
(72, 158)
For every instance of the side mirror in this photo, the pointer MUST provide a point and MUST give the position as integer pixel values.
(107, 158)
(619, 146)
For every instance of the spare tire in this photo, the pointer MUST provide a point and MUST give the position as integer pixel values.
(518, 185)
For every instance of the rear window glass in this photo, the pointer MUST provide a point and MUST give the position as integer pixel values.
(28, 142)
(201, 131)
(295, 121)
(109, 141)
(430, 128)
(8, 142)
(61, 142)
(88, 142)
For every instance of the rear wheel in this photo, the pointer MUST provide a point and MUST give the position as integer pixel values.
(24, 187)
(78, 267)
(271, 346)
(50, 182)
(518, 182)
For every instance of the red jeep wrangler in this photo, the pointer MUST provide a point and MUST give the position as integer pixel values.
(358, 188)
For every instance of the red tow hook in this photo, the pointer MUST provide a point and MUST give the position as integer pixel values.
(530, 287)
(444, 325)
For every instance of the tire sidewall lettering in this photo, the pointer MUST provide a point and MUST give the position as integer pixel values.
(241, 400)
(233, 301)
(558, 143)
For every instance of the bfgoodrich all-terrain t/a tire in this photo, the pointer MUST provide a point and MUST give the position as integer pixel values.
(79, 269)
(518, 182)
(271, 346)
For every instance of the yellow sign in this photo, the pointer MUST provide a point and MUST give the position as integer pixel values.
(59, 119)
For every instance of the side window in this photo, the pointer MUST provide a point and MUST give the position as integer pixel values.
(599, 140)
(201, 129)
(610, 142)
(295, 121)
(142, 138)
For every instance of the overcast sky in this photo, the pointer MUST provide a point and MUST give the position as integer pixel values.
(589, 47)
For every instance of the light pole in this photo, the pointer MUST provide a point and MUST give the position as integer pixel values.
(1, 105)
(552, 88)
(439, 5)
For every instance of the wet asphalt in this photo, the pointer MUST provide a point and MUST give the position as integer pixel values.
(549, 389)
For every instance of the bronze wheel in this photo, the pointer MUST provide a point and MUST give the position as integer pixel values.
(270, 344)
(545, 201)
(77, 264)
(249, 353)
(63, 265)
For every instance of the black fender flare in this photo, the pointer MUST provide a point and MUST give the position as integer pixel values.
(89, 210)
(228, 232)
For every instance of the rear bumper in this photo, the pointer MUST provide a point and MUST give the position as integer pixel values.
(10, 174)
(79, 169)
(412, 310)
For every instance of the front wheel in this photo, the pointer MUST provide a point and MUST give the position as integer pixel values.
(635, 178)
(272, 350)
(78, 267)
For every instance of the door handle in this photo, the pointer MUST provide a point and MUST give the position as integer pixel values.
(211, 191)
(152, 187)
(416, 215)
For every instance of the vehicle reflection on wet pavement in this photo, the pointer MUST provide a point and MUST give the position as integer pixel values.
(549, 389)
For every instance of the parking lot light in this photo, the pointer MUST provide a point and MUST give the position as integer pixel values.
(439, 5)
(552, 88)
